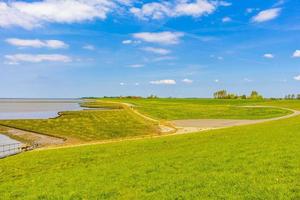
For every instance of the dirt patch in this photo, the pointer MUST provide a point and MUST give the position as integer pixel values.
(34, 138)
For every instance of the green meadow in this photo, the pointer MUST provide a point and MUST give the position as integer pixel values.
(249, 162)
(172, 109)
(89, 125)
(260, 161)
(122, 122)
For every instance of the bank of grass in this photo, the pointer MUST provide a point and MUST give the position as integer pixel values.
(259, 161)
(173, 109)
(90, 125)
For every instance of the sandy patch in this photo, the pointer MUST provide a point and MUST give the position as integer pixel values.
(35, 139)
(194, 125)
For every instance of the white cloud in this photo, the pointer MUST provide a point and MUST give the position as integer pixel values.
(159, 51)
(297, 78)
(17, 58)
(296, 54)
(131, 42)
(186, 80)
(266, 15)
(53, 44)
(159, 10)
(127, 41)
(217, 80)
(163, 58)
(226, 19)
(136, 65)
(122, 84)
(249, 10)
(163, 82)
(160, 37)
(34, 14)
(268, 55)
(89, 47)
(248, 80)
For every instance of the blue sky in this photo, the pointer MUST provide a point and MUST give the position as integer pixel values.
(180, 48)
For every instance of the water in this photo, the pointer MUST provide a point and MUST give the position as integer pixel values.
(9, 146)
(31, 109)
(36, 108)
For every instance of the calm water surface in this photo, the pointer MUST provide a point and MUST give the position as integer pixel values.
(31, 109)
(8, 146)
(36, 108)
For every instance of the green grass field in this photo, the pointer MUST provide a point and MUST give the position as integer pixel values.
(172, 109)
(260, 161)
(90, 125)
(250, 162)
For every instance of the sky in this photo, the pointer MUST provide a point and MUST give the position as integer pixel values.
(179, 48)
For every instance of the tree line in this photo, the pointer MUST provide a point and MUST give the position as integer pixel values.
(292, 96)
(223, 94)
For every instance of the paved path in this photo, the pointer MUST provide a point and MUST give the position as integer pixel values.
(194, 125)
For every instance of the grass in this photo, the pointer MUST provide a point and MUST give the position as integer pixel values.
(121, 122)
(89, 125)
(259, 161)
(172, 109)
(249, 162)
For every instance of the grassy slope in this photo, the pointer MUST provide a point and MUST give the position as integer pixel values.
(118, 123)
(251, 162)
(90, 125)
(172, 109)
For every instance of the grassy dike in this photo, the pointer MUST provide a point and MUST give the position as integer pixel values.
(248, 162)
(259, 161)
(90, 125)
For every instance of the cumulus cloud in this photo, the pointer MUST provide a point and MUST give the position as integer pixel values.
(17, 58)
(159, 37)
(266, 15)
(159, 51)
(163, 82)
(268, 55)
(34, 14)
(297, 78)
(53, 44)
(226, 19)
(89, 47)
(296, 54)
(159, 10)
(186, 80)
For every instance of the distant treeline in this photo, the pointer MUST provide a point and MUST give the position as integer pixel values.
(292, 96)
(223, 94)
(132, 97)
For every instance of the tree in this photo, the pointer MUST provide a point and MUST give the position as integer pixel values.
(152, 96)
(243, 96)
(221, 94)
(255, 95)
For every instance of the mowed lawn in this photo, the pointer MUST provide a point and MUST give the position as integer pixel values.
(173, 109)
(259, 161)
(90, 125)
